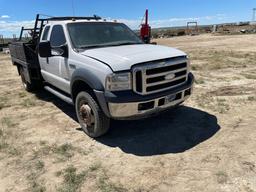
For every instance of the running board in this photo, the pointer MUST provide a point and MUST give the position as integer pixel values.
(59, 94)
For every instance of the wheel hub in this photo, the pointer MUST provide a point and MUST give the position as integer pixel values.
(87, 115)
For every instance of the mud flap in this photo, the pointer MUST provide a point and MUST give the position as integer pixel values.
(26, 74)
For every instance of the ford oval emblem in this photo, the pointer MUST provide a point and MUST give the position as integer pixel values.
(170, 76)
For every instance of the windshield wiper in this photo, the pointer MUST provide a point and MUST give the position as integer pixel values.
(92, 46)
(126, 43)
(107, 45)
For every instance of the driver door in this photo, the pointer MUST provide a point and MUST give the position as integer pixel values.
(56, 67)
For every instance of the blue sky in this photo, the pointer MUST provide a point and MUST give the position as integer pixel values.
(163, 13)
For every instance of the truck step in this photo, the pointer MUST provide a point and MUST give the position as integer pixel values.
(59, 94)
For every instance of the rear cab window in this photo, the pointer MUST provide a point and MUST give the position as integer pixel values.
(46, 32)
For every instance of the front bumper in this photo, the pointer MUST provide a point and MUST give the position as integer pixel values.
(129, 105)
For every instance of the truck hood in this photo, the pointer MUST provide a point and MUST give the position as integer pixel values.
(121, 58)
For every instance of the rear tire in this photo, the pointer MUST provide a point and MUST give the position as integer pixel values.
(27, 86)
(90, 116)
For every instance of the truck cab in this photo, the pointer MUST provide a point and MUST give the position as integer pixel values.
(106, 71)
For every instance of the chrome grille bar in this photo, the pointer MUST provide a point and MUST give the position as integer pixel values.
(165, 81)
(165, 73)
(153, 75)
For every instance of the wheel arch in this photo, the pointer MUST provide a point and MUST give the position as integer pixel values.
(83, 80)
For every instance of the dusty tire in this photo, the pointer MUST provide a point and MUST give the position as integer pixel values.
(90, 116)
(27, 86)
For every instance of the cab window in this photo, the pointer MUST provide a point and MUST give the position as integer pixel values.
(57, 36)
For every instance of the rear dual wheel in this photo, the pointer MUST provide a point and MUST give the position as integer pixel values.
(27, 86)
(90, 116)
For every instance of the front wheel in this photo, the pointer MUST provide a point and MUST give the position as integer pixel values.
(90, 116)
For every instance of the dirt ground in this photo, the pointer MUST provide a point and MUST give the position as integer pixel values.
(207, 145)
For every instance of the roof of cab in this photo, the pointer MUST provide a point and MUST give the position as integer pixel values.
(72, 19)
(80, 21)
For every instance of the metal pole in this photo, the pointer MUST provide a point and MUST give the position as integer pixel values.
(146, 17)
(2, 39)
(35, 27)
(21, 33)
(254, 14)
(40, 32)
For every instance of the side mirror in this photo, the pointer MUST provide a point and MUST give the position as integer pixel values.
(45, 49)
(64, 50)
(60, 51)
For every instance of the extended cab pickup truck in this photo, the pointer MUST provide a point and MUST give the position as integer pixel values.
(103, 68)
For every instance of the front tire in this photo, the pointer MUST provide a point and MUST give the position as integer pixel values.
(90, 116)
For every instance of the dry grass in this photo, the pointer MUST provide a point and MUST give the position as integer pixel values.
(61, 153)
(72, 181)
(219, 59)
(250, 76)
(222, 177)
(105, 185)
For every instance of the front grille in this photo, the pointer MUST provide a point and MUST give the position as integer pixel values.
(153, 77)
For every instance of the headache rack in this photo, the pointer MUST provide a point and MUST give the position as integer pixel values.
(40, 22)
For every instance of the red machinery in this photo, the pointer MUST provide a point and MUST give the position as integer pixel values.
(145, 30)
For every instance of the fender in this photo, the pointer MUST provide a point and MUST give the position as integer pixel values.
(84, 75)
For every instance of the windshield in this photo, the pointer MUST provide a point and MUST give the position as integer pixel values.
(92, 35)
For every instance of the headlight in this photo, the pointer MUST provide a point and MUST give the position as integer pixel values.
(119, 82)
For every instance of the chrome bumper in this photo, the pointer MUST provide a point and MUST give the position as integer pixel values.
(132, 109)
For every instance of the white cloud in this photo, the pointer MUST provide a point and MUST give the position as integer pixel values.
(135, 24)
(13, 27)
(8, 27)
(4, 16)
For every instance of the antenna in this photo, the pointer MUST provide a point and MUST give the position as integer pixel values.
(73, 8)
